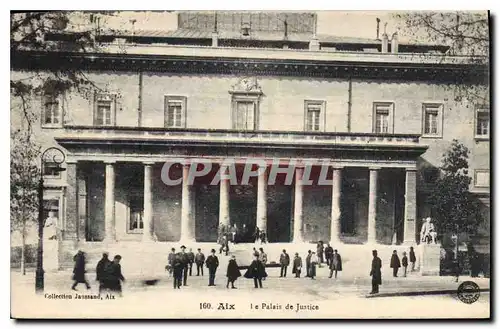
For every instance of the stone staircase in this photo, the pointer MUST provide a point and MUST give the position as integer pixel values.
(148, 259)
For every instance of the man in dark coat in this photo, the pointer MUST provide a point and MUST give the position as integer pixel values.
(297, 265)
(199, 258)
(190, 257)
(114, 275)
(171, 259)
(224, 245)
(376, 273)
(328, 254)
(233, 272)
(100, 271)
(320, 249)
(185, 262)
(395, 263)
(212, 263)
(284, 262)
(404, 262)
(335, 264)
(413, 259)
(308, 263)
(79, 270)
(256, 271)
(177, 268)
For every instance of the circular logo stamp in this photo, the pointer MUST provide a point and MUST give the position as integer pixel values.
(468, 292)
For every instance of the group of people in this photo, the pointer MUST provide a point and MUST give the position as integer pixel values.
(233, 234)
(395, 264)
(333, 261)
(181, 264)
(108, 273)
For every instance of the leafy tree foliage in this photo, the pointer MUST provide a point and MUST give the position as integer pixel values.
(465, 33)
(454, 207)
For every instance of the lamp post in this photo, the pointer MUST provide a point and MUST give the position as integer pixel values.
(57, 157)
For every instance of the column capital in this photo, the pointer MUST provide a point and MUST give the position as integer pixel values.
(109, 161)
(337, 166)
(374, 168)
(411, 169)
(71, 161)
(148, 163)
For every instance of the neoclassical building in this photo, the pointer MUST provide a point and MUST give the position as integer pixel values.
(247, 86)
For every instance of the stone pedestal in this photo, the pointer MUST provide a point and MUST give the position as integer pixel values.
(50, 255)
(429, 259)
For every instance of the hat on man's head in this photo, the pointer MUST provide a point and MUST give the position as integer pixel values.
(213, 250)
(183, 247)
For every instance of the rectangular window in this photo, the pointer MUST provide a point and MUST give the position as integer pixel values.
(482, 178)
(175, 111)
(244, 115)
(51, 111)
(383, 114)
(432, 121)
(482, 123)
(104, 113)
(136, 213)
(314, 115)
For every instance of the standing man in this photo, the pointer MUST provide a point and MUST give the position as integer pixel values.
(200, 260)
(314, 260)
(177, 267)
(297, 265)
(79, 270)
(284, 262)
(413, 259)
(404, 262)
(171, 259)
(376, 273)
(256, 271)
(328, 254)
(320, 249)
(212, 263)
(335, 264)
(190, 256)
(395, 263)
(263, 259)
(233, 272)
(185, 263)
(224, 245)
(308, 264)
(100, 271)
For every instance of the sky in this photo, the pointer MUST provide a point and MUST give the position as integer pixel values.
(339, 23)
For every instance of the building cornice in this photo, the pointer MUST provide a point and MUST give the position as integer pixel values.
(213, 60)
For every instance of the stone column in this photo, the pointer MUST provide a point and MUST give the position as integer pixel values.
(335, 214)
(410, 206)
(69, 225)
(262, 201)
(148, 203)
(224, 198)
(187, 223)
(297, 209)
(109, 206)
(372, 206)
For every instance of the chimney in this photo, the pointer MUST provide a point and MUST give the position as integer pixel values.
(378, 29)
(394, 43)
(385, 40)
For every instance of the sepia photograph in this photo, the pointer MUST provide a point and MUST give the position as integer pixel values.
(219, 164)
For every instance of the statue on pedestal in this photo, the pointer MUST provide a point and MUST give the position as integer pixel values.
(428, 232)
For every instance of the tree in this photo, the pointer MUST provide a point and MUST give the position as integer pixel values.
(454, 207)
(38, 31)
(465, 33)
(24, 176)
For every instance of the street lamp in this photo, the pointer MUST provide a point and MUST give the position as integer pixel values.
(57, 157)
